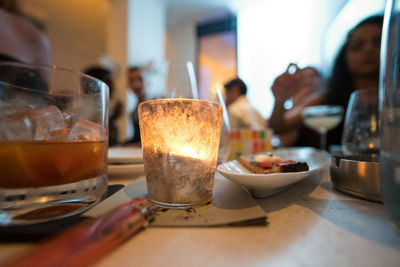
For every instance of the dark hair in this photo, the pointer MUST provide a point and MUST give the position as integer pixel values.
(11, 6)
(134, 68)
(236, 82)
(377, 19)
(97, 72)
(102, 74)
(340, 85)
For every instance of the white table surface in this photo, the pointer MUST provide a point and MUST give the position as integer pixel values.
(310, 224)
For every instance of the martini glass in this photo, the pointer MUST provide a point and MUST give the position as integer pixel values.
(322, 119)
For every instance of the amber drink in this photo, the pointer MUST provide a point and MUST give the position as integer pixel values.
(46, 163)
(53, 143)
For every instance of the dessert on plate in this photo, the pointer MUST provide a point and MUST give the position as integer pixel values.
(268, 163)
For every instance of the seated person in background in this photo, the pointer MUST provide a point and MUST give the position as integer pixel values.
(20, 39)
(356, 67)
(241, 113)
(116, 107)
(136, 85)
(302, 86)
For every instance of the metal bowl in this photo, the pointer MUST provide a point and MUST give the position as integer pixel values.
(357, 176)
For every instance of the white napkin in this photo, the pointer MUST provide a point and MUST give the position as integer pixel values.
(231, 205)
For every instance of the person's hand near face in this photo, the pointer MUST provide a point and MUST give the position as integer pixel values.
(302, 86)
(287, 84)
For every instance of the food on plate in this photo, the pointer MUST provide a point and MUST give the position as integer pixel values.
(268, 163)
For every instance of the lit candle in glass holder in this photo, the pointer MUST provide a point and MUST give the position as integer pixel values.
(180, 140)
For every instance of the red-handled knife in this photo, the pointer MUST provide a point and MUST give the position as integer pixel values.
(89, 241)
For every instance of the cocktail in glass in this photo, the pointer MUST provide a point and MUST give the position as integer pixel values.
(53, 143)
(322, 119)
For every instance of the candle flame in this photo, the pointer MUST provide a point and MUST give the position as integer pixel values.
(188, 151)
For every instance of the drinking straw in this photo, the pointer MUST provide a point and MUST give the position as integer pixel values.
(193, 81)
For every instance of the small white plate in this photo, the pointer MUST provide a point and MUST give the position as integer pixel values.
(126, 170)
(125, 155)
(265, 185)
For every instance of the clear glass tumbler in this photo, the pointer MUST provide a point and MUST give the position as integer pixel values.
(390, 110)
(53, 143)
(180, 140)
(361, 124)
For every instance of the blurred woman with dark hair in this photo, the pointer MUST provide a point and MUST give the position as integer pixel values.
(356, 67)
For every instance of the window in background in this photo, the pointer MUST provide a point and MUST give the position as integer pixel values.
(216, 55)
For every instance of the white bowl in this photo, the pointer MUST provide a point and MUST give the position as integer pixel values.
(265, 185)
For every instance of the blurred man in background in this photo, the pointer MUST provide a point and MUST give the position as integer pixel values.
(241, 113)
(136, 85)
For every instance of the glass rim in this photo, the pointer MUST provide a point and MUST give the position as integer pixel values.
(322, 109)
(48, 67)
(160, 100)
(28, 89)
(369, 90)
